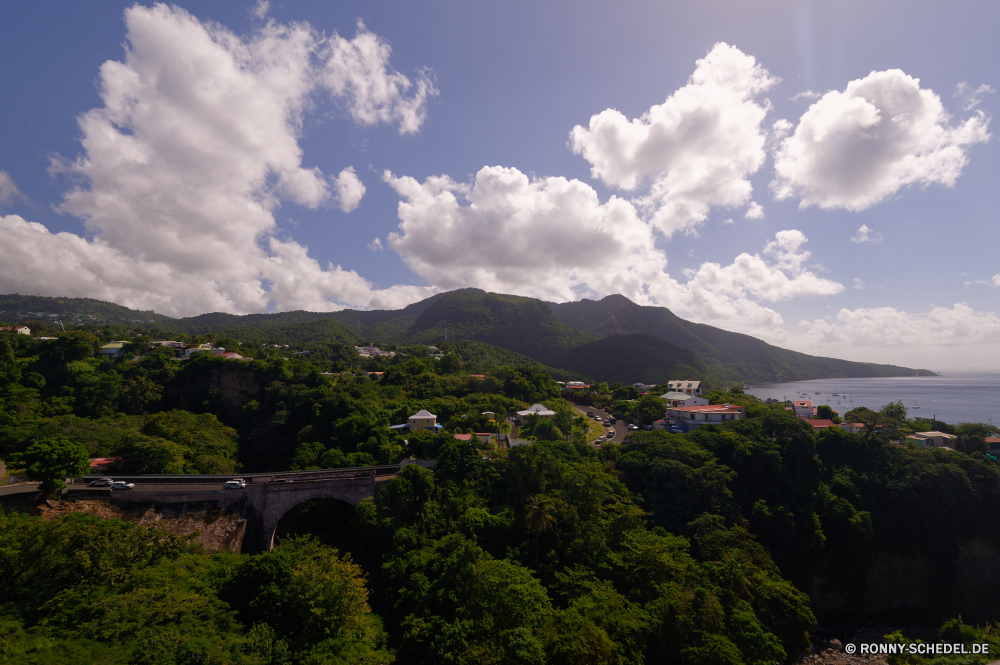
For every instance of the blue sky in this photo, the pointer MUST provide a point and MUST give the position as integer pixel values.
(773, 168)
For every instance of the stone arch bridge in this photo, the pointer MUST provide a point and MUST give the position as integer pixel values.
(261, 504)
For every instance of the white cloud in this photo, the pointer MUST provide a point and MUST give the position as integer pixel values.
(854, 149)
(376, 245)
(805, 94)
(695, 151)
(8, 190)
(996, 280)
(859, 283)
(866, 236)
(971, 97)
(358, 71)
(350, 189)
(890, 327)
(552, 238)
(755, 211)
(724, 293)
(261, 9)
(196, 144)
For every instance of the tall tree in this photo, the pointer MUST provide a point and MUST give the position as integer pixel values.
(49, 461)
(540, 515)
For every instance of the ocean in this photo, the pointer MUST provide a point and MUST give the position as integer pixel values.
(952, 398)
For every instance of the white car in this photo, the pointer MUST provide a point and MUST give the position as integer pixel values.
(234, 484)
(121, 485)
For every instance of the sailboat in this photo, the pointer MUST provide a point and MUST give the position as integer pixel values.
(915, 406)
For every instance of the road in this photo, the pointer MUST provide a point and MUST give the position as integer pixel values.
(620, 428)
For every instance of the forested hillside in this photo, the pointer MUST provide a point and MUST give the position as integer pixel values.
(558, 335)
(718, 546)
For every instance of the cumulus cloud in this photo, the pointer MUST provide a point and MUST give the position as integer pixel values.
(195, 146)
(859, 283)
(350, 189)
(887, 327)
(853, 149)
(9, 193)
(996, 280)
(691, 153)
(727, 292)
(376, 245)
(553, 239)
(971, 97)
(358, 71)
(261, 9)
(866, 236)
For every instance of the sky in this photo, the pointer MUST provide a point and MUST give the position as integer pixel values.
(818, 175)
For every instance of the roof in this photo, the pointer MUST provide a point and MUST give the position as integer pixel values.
(821, 424)
(683, 384)
(930, 435)
(708, 408)
(803, 402)
(464, 437)
(113, 345)
(992, 439)
(676, 395)
(537, 409)
(423, 413)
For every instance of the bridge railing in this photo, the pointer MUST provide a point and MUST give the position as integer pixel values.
(277, 476)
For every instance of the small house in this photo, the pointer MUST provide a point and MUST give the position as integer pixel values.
(688, 387)
(423, 420)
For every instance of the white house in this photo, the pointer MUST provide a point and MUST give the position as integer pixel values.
(535, 410)
(423, 419)
(803, 408)
(933, 439)
(23, 330)
(688, 387)
(683, 399)
(696, 416)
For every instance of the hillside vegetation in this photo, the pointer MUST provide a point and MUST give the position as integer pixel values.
(606, 340)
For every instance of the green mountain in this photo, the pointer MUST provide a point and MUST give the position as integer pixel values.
(524, 325)
(629, 359)
(730, 356)
(78, 310)
(612, 339)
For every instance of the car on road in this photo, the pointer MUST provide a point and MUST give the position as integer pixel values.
(100, 482)
(611, 434)
(613, 420)
(234, 484)
(632, 427)
(590, 414)
(121, 485)
(601, 439)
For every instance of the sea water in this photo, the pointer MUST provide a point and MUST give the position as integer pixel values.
(952, 398)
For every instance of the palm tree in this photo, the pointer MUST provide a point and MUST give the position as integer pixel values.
(540, 515)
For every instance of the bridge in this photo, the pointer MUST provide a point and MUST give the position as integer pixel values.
(262, 503)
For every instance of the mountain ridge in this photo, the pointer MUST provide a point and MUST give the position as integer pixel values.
(644, 340)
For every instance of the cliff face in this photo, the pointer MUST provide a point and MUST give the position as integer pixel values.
(218, 529)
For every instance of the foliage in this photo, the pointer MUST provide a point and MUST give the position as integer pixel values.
(49, 461)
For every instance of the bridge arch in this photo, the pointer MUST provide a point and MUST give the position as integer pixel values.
(279, 499)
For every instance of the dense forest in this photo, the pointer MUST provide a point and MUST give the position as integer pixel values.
(721, 546)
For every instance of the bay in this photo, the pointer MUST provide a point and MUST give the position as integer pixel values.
(952, 398)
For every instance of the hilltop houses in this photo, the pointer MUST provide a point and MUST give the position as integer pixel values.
(539, 410)
(687, 387)
(932, 439)
(423, 419)
(683, 399)
(692, 417)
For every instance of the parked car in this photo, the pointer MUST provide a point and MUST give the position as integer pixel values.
(601, 439)
(611, 434)
(234, 484)
(590, 414)
(613, 420)
(100, 482)
(121, 485)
